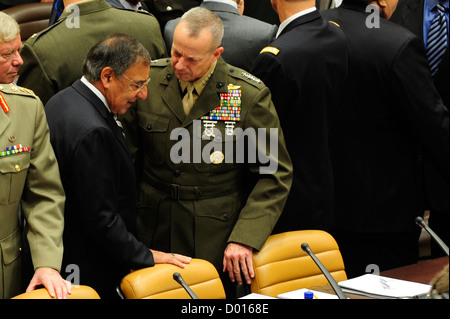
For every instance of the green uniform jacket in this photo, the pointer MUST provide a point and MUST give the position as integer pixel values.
(53, 58)
(32, 179)
(196, 207)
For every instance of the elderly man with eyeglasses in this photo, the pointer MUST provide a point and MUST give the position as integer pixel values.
(96, 166)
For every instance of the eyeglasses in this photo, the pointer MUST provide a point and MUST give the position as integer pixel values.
(138, 85)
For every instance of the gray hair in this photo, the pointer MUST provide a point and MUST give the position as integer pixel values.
(9, 29)
(119, 52)
(197, 19)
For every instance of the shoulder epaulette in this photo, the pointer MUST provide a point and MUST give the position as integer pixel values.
(18, 90)
(32, 39)
(335, 23)
(272, 50)
(163, 62)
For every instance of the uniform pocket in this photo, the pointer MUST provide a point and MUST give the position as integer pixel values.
(13, 173)
(147, 213)
(219, 152)
(10, 253)
(155, 135)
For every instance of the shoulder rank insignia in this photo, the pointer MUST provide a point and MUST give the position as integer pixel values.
(3, 104)
(272, 50)
(336, 24)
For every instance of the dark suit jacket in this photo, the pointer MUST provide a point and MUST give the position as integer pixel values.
(244, 36)
(305, 79)
(98, 177)
(409, 13)
(390, 107)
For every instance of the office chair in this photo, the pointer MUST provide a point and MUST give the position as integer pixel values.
(157, 282)
(78, 292)
(31, 17)
(282, 266)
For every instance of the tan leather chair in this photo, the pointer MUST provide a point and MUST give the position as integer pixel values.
(282, 266)
(78, 292)
(31, 17)
(157, 282)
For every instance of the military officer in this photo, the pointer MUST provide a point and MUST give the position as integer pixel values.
(29, 177)
(204, 190)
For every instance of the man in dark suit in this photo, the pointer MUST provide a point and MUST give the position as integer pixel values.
(389, 108)
(417, 16)
(305, 68)
(244, 37)
(96, 166)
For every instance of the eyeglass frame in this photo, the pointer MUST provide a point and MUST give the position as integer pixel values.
(139, 86)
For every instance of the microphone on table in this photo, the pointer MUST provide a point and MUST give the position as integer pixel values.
(423, 225)
(325, 271)
(177, 277)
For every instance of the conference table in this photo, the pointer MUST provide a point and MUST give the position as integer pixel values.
(421, 272)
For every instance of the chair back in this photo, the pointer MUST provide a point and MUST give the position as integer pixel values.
(157, 282)
(78, 292)
(282, 266)
(31, 17)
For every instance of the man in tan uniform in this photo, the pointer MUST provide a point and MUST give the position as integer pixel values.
(200, 195)
(29, 177)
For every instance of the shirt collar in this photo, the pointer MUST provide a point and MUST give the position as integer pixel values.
(128, 5)
(230, 2)
(286, 22)
(96, 92)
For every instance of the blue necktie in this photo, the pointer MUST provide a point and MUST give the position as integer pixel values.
(437, 39)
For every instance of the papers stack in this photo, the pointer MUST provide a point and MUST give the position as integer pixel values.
(384, 287)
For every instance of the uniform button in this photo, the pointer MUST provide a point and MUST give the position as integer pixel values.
(149, 127)
(225, 216)
(17, 168)
(169, 8)
(177, 173)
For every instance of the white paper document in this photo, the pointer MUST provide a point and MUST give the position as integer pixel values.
(300, 294)
(384, 287)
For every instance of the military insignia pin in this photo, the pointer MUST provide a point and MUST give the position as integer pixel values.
(217, 157)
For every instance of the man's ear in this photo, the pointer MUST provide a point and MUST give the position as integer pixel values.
(381, 4)
(107, 76)
(218, 52)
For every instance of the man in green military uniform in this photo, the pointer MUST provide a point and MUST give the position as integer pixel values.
(29, 177)
(53, 58)
(215, 173)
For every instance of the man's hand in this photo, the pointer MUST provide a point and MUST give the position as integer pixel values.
(237, 259)
(51, 279)
(166, 258)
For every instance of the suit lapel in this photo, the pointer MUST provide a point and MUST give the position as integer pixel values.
(172, 100)
(103, 112)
